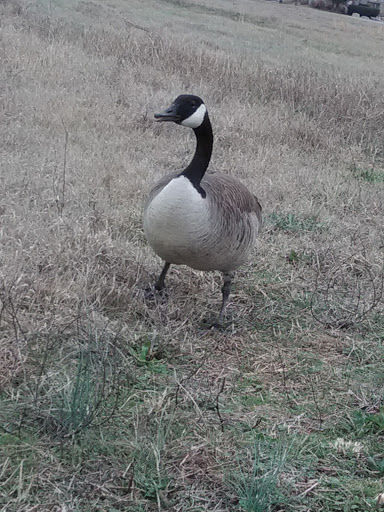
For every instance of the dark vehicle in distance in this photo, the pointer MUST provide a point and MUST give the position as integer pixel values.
(364, 8)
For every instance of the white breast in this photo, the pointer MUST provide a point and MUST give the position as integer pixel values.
(176, 221)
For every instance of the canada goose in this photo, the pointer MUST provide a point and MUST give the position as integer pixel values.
(206, 221)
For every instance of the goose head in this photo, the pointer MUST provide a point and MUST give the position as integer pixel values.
(187, 110)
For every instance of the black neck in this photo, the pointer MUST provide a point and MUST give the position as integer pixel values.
(200, 161)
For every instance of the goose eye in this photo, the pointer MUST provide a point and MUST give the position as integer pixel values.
(193, 104)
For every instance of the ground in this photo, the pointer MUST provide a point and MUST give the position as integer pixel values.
(111, 401)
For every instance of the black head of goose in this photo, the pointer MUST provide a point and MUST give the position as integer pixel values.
(208, 221)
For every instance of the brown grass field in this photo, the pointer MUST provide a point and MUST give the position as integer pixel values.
(111, 402)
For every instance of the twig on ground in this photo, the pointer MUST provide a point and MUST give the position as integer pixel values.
(217, 404)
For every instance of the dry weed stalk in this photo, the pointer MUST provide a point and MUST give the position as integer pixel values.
(59, 188)
(217, 403)
(346, 291)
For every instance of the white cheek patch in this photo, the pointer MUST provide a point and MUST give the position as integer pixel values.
(196, 119)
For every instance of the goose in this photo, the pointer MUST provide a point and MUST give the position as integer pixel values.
(205, 220)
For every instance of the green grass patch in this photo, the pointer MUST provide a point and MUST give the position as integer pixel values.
(291, 222)
(370, 422)
(308, 472)
(368, 174)
(150, 359)
(258, 486)
(250, 392)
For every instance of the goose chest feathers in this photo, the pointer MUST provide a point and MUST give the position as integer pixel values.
(208, 221)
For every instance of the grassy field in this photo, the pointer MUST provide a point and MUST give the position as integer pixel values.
(112, 402)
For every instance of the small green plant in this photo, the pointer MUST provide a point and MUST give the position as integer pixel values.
(373, 423)
(376, 464)
(6, 439)
(251, 391)
(292, 222)
(294, 257)
(259, 489)
(146, 356)
(371, 175)
(86, 394)
(150, 474)
(80, 388)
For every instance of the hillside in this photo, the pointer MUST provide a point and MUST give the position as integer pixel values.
(110, 401)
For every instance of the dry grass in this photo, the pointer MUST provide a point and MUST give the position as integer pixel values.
(109, 402)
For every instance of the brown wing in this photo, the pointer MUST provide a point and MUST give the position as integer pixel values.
(230, 194)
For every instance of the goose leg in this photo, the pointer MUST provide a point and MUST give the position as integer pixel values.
(226, 290)
(159, 285)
